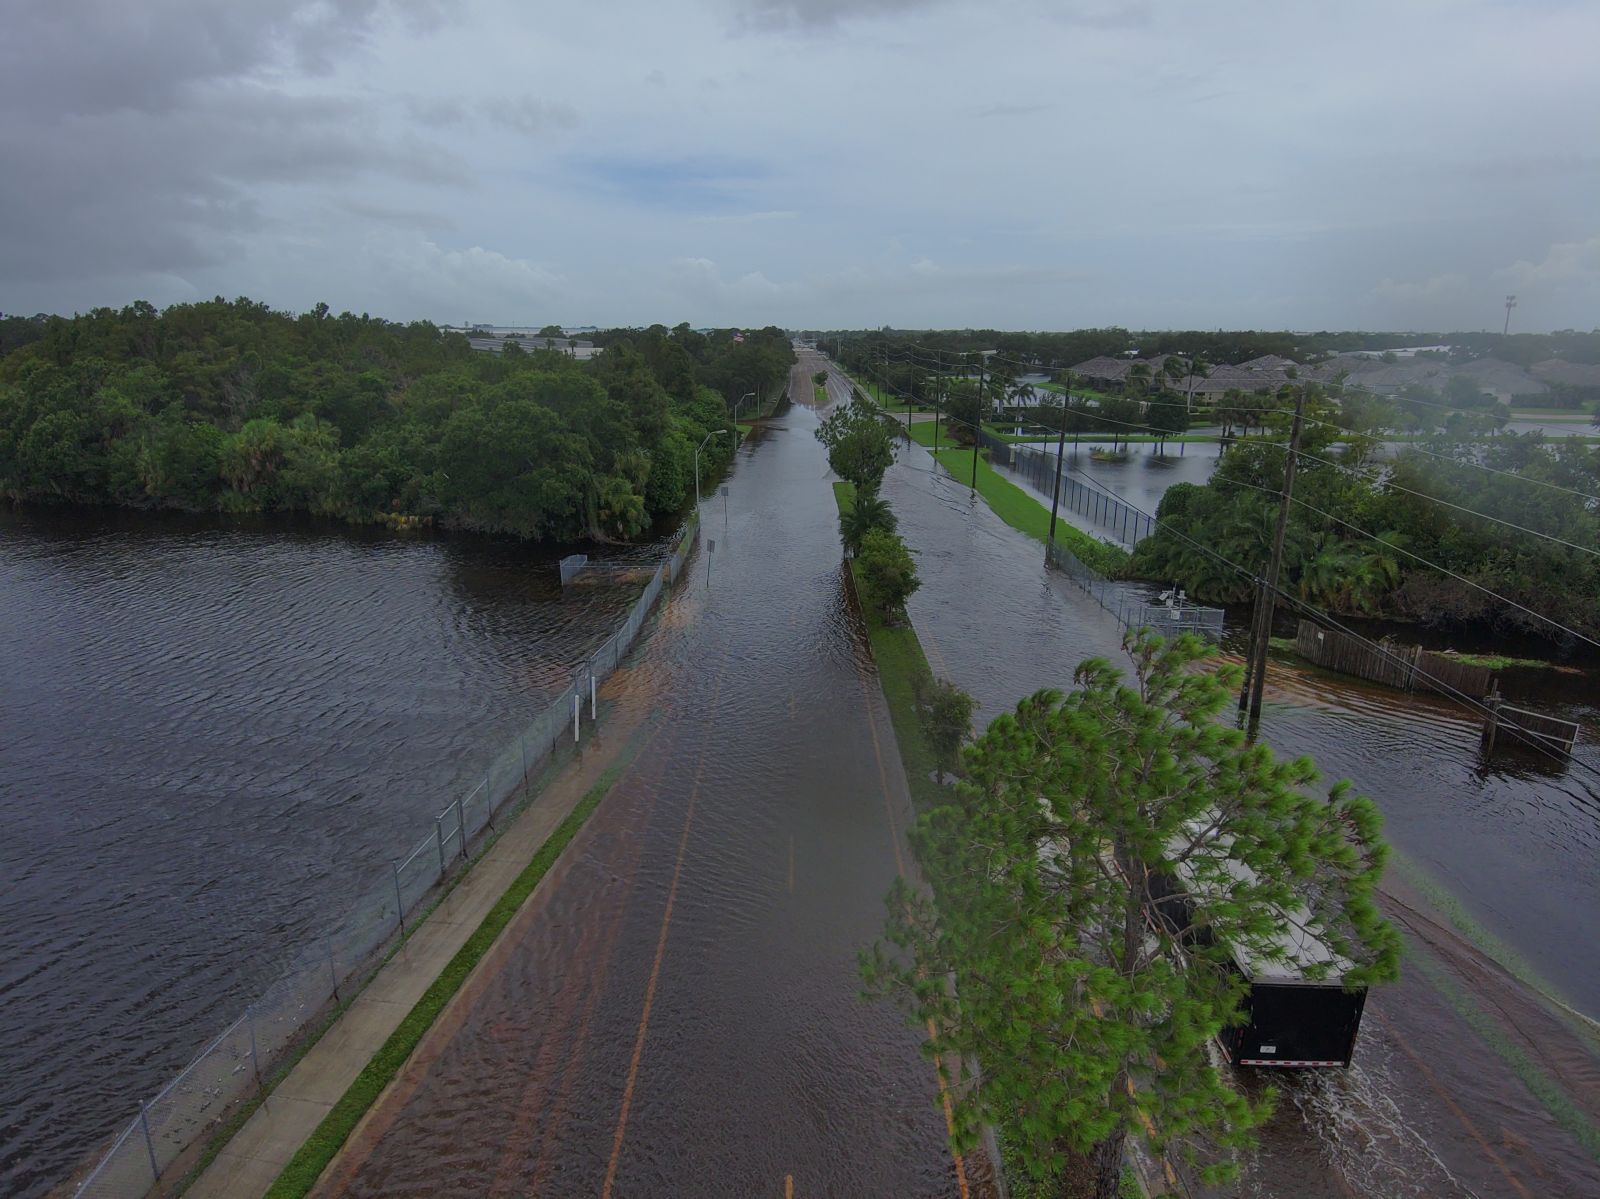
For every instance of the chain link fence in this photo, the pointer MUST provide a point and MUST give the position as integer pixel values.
(230, 1068)
(1129, 524)
(1130, 606)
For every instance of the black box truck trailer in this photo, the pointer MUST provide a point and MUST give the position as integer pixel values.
(1290, 1020)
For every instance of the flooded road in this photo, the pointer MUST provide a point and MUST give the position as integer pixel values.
(676, 1011)
(1436, 1104)
(216, 736)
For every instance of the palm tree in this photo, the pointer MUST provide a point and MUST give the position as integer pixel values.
(1138, 380)
(870, 511)
(1198, 369)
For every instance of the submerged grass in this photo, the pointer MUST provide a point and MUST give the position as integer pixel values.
(1546, 1090)
(1027, 515)
(301, 1172)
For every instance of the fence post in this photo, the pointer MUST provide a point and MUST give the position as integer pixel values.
(438, 835)
(399, 904)
(488, 800)
(576, 703)
(592, 697)
(333, 973)
(522, 741)
(149, 1141)
(461, 821)
(255, 1060)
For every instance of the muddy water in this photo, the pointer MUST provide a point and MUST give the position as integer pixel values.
(676, 1012)
(1429, 1108)
(215, 737)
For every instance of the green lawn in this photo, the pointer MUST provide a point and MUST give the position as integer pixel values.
(819, 394)
(1576, 414)
(901, 663)
(922, 433)
(885, 399)
(1136, 438)
(1022, 512)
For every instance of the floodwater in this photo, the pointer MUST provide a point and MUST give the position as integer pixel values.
(1141, 480)
(676, 1011)
(1429, 1108)
(216, 737)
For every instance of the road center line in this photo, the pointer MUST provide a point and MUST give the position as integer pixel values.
(661, 951)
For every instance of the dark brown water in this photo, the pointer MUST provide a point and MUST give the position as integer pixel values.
(1429, 1107)
(214, 738)
(676, 1012)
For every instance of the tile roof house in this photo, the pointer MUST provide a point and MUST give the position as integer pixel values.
(1566, 374)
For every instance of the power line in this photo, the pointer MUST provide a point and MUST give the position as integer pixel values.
(1338, 388)
(1555, 624)
(1145, 429)
(1295, 601)
(1448, 504)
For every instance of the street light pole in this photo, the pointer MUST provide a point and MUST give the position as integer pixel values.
(749, 395)
(697, 449)
(978, 431)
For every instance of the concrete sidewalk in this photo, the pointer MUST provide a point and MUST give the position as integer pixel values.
(250, 1162)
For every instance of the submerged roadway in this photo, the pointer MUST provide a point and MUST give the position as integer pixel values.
(676, 1010)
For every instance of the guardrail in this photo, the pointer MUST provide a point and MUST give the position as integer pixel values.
(231, 1066)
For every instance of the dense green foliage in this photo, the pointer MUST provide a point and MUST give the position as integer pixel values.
(870, 350)
(886, 574)
(1367, 538)
(946, 713)
(233, 407)
(869, 511)
(902, 667)
(301, 1172)
(860, 446)
(1078, 989)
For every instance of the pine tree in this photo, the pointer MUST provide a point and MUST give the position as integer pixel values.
(1078, 1005)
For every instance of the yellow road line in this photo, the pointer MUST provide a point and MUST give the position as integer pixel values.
(655, 969)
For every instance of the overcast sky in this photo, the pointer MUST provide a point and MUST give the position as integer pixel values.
(1033, 164)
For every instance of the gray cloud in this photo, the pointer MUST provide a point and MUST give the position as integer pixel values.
(773, 16)
(152, 130)
(1029, 163)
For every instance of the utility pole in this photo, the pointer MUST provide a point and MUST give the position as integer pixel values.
(1055, 497)
(938, 395)
(977, 429)
(1511, 302)
(1255, 671)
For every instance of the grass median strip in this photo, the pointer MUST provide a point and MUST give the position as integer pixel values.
(306, 1166)
(901, 663)
(1027, 515)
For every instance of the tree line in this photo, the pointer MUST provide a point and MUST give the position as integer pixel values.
(230, 406)
(1052, 350)
(1396, 537)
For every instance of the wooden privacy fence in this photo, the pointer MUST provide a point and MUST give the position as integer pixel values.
(1407, 667)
